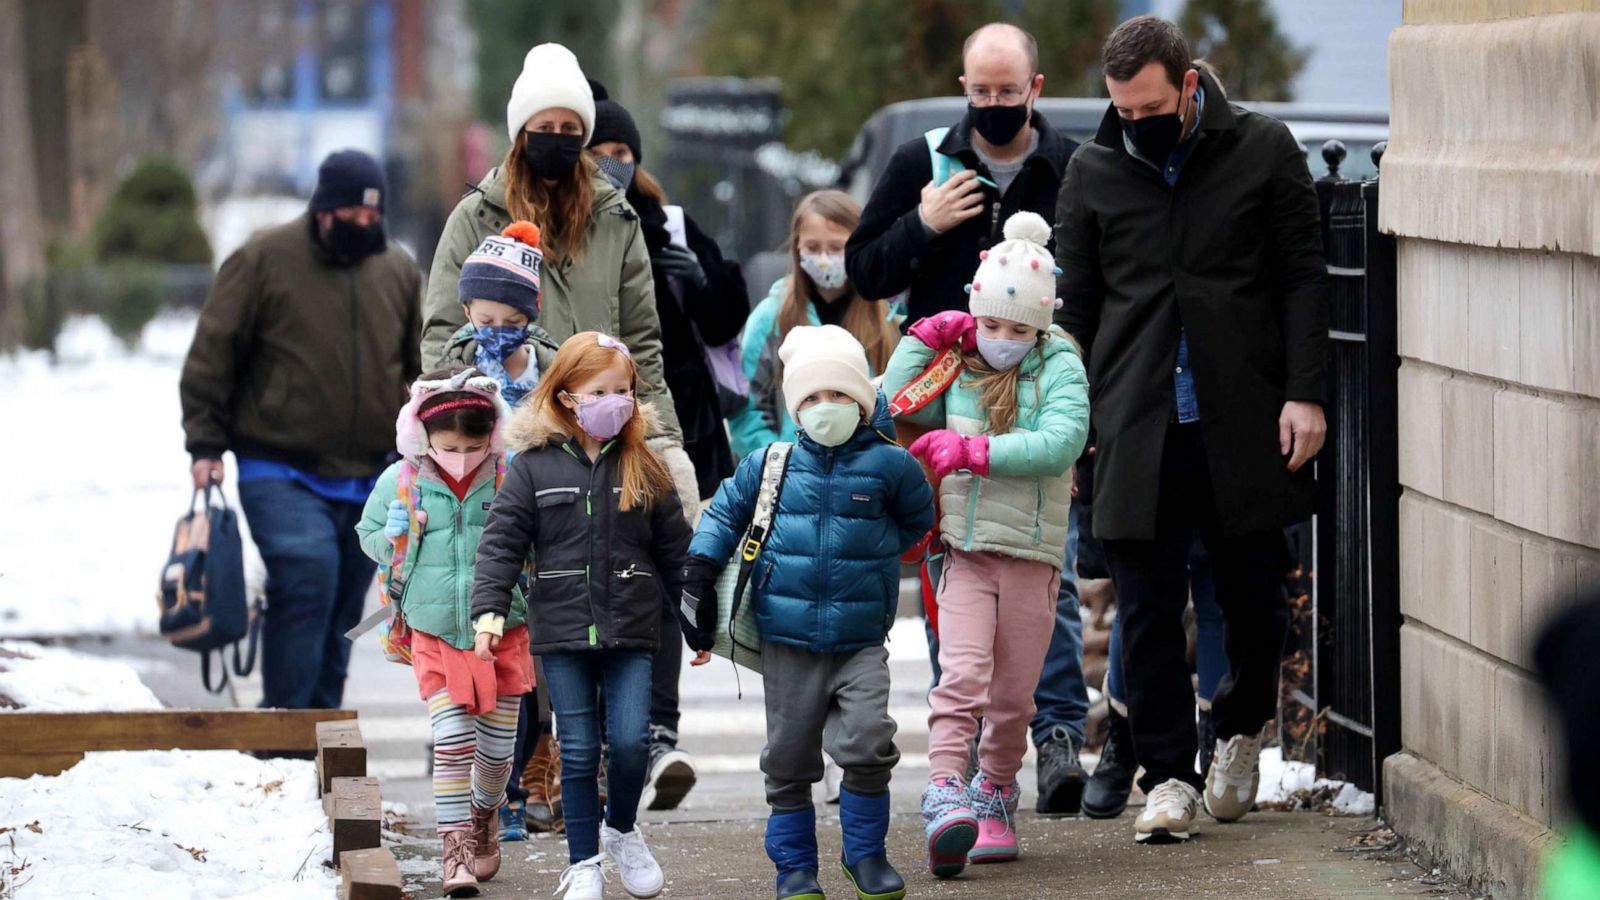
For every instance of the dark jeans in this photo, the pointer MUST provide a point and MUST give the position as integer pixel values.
(576, 682)
(317, 581)
(1062, 698)
(1210, 653)
(1152, 583)
(666, 666)
(530, 727)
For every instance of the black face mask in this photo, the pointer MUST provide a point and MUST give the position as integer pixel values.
(1155, 137)
(998, 124)
(549, 155)
(349, 243)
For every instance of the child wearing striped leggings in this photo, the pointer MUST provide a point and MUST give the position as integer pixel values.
(422, 523)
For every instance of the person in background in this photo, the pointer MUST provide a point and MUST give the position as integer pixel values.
(815, 292)
(452, 458)
(1564, 657)
(596, 273)
(852, 500)
(591, 505)
(303, 352)
(1208, 350)
(923, 237)
(702, 302)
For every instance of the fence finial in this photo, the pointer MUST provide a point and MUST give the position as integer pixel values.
(1333, 153)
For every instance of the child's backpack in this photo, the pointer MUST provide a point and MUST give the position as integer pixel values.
(202, 598)
(394, 635)
(946, 166)
(738, 636)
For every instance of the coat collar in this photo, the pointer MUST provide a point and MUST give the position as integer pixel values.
(1215, 115)
(1050, 151)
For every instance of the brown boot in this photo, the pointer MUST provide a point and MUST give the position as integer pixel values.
(542, 780)
(459, 880)
(485, 843)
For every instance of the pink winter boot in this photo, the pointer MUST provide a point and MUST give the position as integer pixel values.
(997, 809)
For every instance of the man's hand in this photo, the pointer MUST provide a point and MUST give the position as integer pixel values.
(206, 471)
(701, 657)
(948, 205)
(1301, 431)
(485, 644)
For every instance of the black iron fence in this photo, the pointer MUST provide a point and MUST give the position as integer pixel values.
(1356, 625)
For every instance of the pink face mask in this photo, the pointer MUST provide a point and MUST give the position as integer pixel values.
(458, 464)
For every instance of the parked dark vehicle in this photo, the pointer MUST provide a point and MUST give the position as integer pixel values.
(1359, 127)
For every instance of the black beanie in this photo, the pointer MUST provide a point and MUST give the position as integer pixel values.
(613, 123)
(349, 178)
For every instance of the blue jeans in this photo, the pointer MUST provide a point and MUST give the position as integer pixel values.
(1062, 698)
(576, 681)
(317, 581)
(1210, 651)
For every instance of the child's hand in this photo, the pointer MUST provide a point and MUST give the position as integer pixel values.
(947, 329)
(399, 520)
(947, 452)
(484, 645)
(701, 657)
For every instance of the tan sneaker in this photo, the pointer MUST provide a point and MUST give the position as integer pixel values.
(1234, 775)
(1169, 813)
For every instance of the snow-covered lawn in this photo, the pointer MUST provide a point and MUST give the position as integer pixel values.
(98, 476)
(50, 679)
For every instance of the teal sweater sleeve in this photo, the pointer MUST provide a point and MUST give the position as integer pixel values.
(1063, 422)
(750, 428)
(369, 531)
(911, 357)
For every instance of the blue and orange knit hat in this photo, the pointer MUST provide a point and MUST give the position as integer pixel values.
(505, 269)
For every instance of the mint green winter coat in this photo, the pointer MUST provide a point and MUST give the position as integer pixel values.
(1021, 507)
(438, 589)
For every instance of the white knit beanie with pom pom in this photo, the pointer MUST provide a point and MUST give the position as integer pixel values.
(1016, 279)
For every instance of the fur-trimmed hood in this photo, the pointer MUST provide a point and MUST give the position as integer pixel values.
(532, 428)
(411, 438)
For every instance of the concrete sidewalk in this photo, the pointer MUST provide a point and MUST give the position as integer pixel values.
(1276, 855)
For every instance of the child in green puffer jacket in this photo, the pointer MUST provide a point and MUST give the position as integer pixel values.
(449, 437)
(1010, 401)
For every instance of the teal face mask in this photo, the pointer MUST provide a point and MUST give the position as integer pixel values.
(831, 424)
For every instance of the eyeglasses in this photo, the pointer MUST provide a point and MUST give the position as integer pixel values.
(1006, 97)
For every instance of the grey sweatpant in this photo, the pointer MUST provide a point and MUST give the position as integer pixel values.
(835, 701)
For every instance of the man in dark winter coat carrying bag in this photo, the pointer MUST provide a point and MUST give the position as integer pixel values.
(1193, 276)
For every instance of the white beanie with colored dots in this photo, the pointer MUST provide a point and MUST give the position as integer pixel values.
(550, 79)
(824, 358)
(1016, 278)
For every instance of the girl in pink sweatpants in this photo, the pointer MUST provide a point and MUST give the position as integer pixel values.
(1010, 401)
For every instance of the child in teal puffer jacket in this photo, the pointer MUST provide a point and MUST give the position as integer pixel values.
(449, 437)
(1010, 401)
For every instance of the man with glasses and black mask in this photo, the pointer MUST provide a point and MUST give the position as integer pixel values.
(1192, 274)
(305, 349)
(942, 200)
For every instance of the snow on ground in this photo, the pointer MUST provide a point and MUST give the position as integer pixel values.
(172, 824)
(51, 679)
(1281, 781)
(98, 477)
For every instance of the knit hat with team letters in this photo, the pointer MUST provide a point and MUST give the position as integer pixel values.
(505, 269)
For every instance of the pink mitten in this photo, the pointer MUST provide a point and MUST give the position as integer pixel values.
(947, 329)
(978, 454)
(944, 450)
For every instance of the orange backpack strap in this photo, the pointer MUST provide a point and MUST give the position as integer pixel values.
(934, 380)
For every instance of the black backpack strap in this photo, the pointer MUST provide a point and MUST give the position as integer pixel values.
(252, 640)
(205, 672)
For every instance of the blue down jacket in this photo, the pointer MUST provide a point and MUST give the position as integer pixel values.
(828, 578)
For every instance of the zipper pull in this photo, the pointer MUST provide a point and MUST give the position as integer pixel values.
(629, 571)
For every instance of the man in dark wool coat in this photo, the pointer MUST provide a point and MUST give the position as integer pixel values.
(1192, 274)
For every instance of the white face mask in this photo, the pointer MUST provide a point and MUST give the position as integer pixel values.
(826, 269)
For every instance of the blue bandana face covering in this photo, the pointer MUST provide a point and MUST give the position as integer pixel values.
(1002, 354)
(499, 341)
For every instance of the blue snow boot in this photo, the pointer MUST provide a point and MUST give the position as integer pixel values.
(864, 819)
(512, 825)
(792, 846)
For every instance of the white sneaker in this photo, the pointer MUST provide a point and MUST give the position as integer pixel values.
(1234, 776)
(641, 874)
(1169, 813)
(584, 880)
(832, 780)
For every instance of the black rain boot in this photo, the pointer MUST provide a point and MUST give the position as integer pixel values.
(1107, 793)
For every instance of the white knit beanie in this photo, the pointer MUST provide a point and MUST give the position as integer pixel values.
(824, 358)
(550, 79)
(1016, 279)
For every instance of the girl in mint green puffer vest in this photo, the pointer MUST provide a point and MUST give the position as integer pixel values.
(1009, 402)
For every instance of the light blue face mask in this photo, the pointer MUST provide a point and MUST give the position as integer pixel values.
(831, 424)
(1002, 354)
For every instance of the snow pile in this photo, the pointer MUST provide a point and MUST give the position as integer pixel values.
(49, 679)
(98, 478)
(1295, 785)
(172, 824)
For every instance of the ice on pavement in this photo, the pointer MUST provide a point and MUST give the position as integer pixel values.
(51, 679)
